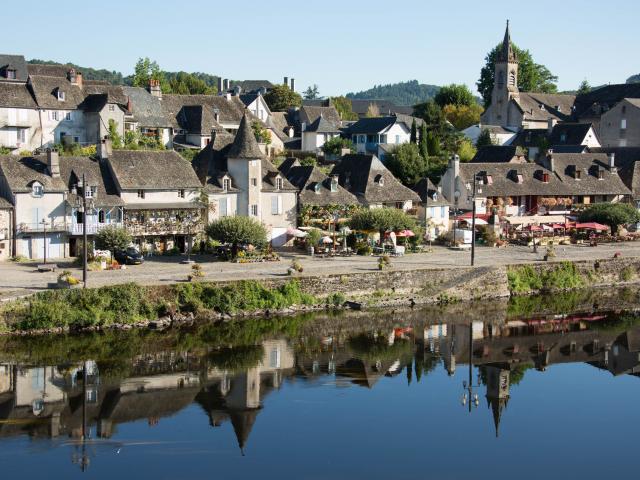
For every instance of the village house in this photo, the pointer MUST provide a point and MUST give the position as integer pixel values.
(499, 135)
(255, 103)
(433, 210)
(565, 137)
(145, 115)
(368, 133)
(620, 126)
(366, 177)
(6, 229)
(316, 134)
(239, 180)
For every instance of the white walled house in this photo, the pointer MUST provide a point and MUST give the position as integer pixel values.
(315, 135)
(256, 104)
(368, 133)
(239, 180)
(433, 211)
(18, 117)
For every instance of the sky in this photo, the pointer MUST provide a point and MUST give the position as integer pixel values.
(341, 46)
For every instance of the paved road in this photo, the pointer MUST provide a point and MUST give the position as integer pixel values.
(22, 278)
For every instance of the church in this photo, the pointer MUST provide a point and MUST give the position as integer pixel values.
(515, 110)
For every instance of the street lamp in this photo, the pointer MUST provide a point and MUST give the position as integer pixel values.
(44, 233)
(476, 178)
(84, 209)
(456, 196)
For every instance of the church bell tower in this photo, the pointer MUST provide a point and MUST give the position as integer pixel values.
(505, 85)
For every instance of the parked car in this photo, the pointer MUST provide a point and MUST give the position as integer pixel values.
(130, 256)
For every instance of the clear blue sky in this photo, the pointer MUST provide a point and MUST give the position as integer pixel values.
(342, 45)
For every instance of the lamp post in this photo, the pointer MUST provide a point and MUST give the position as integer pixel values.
(473, 219)
(44, 233)
(456, 196)
(469, 396)
(84, 209)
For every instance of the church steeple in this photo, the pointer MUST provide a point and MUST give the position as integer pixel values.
(507, 53)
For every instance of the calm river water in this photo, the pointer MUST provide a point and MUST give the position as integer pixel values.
(540, 388)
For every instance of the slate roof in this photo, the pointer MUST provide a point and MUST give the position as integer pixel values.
(198, 119)
(48, 70)
(429, 193)
(556, 105)
(252, 86)
(113, 93)
(309, 114)
(248, 98)
(530, 137)
(569, 133)
(147, 169)
(306, 178)
(589, 184)
(230, 111)
(498, 154)
(361, 175)
(96, 173)
(501, 179)
(146, 109)
(5, 204)
(245, 144)
(322, 125)
(15, 62)
(599, 100)
(371, 125)
(360, 106)
(20, 173)
(16, 95)
(45, 92)
(279, 121)
(627, 159)
(210, 163)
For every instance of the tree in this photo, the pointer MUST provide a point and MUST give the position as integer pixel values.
(484, 139)
(335, 145)
(431, 113)
(466, 151)
(584, 87)
(372, 111)
(532, 77)
(424, 141)
(311, 93)
(188, 84)
(463, 116)
(344, 108)
(238, 230)
(112, 238)
(280, 98)
(262, 134)
(116, 139)
(407, 164)
(146, 70)
(414, 132)
(454, 95)
(403, 93)
(381, 219)
(433, 144)
(309, 161)
(612, 214)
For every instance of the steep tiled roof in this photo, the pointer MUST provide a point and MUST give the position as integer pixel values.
(15, 62)
(497, 154)
(599, 100)
(309, 114)
(211, 161)
(198, 119)
(315, 186)
(20, 173)
(322, 125)
(429, 193)
(245, 144)
(542, 106)
(368, 179)
(114, 93)
(5, 204)
(628, 161)
(146, 108)
(501, 179)
(134, 169)
(16, 95)
(360, 106)
(230, 110)
(371, 125)
(45, 91)
(48, 70)
(96, 173)
(569, 133)
(564, 164)
(251, 86)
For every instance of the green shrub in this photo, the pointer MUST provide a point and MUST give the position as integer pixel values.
(336, 299)
(526, 279)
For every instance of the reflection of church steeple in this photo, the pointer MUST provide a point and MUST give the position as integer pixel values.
(498, 380)
(242, 422)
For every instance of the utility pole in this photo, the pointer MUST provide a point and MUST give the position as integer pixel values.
(473, 221)
(44, 233)
(84, 231)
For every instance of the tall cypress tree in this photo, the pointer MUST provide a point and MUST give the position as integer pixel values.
(424, 150)
(414, 132)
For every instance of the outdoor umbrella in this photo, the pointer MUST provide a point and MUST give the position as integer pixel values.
(326, 240)
(592, 226)
(405, 233)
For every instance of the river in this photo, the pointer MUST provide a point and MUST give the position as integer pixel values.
(536, 387)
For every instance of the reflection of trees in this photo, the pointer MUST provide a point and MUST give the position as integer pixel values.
(516, 373)
(236, 359)
(372, 347)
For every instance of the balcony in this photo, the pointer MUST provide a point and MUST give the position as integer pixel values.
(92, 228)
(39, 227)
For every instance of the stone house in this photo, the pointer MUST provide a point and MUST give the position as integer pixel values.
(433, 210)
(239, 180)
(366, 177)
(145, 115)
(620, 126)
(19, 124)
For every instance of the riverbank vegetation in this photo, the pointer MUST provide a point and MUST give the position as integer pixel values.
(130, 303)
(528, 279)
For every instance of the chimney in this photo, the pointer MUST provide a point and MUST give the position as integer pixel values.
(293, 84)
(104, 148)
(213, 136)
(227, 95)
(551, 122)
(550, 161)
(290, 132)
(225, 84)
(303, 126)
(154, 88)
(129, 105)
(79, 79)
(612, 162)
(53, 162)
(286, 81)
(220, 85)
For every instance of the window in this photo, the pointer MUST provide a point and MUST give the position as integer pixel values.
(578, 174)
(90, 191)
(397, 139)
(181, 193)
(10, 74)
(371, 138)
(317, 187)
(623, 124)
(54, 115)
(600, 174)
(223, 203)
(520, 178)
(334, 184)
(140, 193)
(101, 216)
(61, 95)
(21, 135)
(278, 183)
(254, 210)
(276, 205)
(399, 205)
(226, 184)
(512, 78)
(354, 138)
(624, 109)
(79, 217)
(361, 139)
(383, 139)
(67, 116)
(563, 137)
(254, 182)
(274, 358)
(112, 108)
(500, 79)
(37, 190)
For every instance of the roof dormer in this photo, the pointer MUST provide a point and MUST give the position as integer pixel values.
(379, 180)
(60, 95)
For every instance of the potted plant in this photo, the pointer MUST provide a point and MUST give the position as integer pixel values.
(550, 253)
(67, 280)
(196, 272)
(383, 262)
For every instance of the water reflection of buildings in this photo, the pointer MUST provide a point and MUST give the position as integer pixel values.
(231, 385)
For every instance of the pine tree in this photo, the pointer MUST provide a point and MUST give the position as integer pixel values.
(414, 133)
(433, 144)
(424, 148)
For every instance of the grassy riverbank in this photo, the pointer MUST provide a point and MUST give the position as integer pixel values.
(130, 303)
